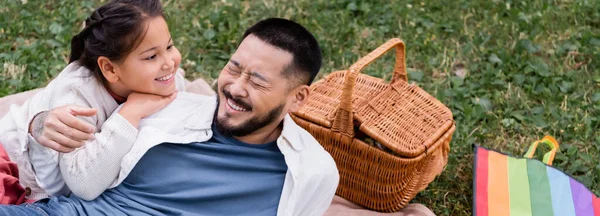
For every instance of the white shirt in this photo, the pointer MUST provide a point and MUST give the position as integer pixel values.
(312, 177)
(310, 182)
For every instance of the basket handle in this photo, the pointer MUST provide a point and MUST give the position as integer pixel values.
(548, 157)
(343, 121)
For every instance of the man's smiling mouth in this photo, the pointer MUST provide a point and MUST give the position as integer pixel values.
(233, 105)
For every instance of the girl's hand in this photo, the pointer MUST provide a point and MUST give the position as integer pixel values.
(140, 105)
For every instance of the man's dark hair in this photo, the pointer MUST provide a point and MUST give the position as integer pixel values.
(113, 30)
(291, 37)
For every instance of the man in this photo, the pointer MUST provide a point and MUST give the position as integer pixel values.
(240, 154)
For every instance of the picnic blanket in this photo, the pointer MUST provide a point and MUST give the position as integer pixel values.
(506, 185)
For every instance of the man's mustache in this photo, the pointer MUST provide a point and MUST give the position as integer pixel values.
(238, 101)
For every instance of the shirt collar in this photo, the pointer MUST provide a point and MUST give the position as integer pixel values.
(291, 133)
(119, 99)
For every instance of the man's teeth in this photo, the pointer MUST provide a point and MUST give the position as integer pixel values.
(235, 107)
(165, 78)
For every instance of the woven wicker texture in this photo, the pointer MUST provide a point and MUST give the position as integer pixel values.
(389, 141)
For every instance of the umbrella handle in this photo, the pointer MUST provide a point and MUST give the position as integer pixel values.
(549, 156)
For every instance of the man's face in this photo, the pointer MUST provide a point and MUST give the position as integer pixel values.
(252, 91)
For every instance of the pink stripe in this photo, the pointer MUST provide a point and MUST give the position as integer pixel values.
(596, 203)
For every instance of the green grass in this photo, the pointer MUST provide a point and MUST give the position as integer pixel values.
(511, 71)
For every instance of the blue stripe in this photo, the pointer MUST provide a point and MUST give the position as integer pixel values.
(560, 187)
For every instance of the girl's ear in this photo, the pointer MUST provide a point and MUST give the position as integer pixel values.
(108, 69)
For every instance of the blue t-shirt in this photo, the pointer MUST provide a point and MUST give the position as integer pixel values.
(222, 176)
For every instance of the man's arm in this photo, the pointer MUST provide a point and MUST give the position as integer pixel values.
(319, 184)
(326, 188)
(60, 129)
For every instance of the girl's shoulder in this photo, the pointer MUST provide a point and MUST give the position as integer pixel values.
(74, 75)
(74, 85)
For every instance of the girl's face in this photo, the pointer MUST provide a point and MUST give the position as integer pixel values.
(151, 66)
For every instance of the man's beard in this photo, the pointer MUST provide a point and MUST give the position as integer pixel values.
(249, 126)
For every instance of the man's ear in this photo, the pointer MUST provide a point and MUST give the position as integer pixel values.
(300, 97)
(108, 69)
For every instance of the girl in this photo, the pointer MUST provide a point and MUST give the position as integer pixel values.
(124, 48)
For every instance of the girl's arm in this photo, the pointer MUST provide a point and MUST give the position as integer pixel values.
(44, 158)
(115, 135)
(91, 169)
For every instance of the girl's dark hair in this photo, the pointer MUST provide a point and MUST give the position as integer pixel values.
(113, 30)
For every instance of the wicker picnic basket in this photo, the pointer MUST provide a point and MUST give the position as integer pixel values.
(389, 141)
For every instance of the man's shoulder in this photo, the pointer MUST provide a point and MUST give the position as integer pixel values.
(189, 97)
(315, 154)
(315, 159)
(319, 170)
(299, 138)
(190, 103)
(191, 110)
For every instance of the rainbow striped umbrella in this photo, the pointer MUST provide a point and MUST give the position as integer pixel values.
(505, 185)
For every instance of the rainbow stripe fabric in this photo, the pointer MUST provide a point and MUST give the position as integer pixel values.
(505, 185)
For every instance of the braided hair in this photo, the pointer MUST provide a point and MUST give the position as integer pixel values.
(113, 30)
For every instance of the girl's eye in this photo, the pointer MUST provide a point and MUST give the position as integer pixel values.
(151, 57)
(169, 47)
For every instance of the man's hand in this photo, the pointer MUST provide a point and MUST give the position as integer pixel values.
(60, 129)
(141, 105)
